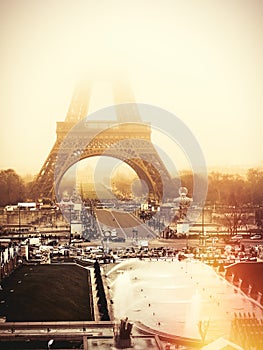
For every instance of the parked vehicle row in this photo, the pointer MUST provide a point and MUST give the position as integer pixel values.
(238, 238)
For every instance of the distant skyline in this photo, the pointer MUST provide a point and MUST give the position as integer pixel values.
(198, 59)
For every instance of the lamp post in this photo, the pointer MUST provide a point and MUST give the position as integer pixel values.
(68, 207)
(203, 240)
(135, 236)
(19, 220)
(71, 207)
(107, 235)
(69, 224)
(235, 221)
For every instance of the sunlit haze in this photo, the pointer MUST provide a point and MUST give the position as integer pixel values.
(200, 60)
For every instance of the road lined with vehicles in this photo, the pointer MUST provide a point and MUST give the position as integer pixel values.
(118, 225)
(123, 234)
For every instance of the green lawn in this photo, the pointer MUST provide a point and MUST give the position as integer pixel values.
(46, 293)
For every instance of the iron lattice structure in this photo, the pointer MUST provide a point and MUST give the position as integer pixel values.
(127, 139)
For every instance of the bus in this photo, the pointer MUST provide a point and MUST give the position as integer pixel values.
(27, 206)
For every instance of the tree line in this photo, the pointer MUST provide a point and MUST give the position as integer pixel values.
(223, 188)
(231, 189)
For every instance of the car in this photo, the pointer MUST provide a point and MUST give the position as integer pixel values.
(255, 237)
(118, 239)
(212, 239)
(236, 238)
(77, 240)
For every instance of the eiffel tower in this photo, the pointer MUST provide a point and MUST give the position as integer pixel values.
(127, 138)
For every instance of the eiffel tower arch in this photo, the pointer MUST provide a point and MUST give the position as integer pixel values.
(126, 138)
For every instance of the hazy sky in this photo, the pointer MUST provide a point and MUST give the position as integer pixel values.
(199, 59)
